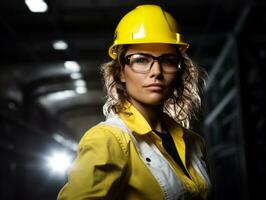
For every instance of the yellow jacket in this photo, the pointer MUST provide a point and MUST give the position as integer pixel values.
(108, 165)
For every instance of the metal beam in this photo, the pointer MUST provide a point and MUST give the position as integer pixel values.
(228, 45)
(217, 110)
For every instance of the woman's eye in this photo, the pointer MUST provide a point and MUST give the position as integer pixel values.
(170, 61)
(141, 60)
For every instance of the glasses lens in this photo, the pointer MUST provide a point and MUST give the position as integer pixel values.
(142, 63)
(170, 63)
(139, 62)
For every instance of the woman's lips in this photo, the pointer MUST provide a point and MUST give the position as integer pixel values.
(155, 87)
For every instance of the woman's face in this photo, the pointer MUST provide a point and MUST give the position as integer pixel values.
(154, 86)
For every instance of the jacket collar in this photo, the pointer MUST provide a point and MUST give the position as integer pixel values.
(135, 120)
(138, 124)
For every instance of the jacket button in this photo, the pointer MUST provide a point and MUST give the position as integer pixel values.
(148, 159)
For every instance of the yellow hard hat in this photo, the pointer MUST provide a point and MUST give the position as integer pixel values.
(147, 24)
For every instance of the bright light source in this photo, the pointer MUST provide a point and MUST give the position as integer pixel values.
(58, 96)
(68, 143)
(59, 162)
(60, 45)
(81, 90)
(76, 75)
(72, 65)
(80, 86)
(36, 5)
(80, 83)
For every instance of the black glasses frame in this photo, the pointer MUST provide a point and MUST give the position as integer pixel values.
(155, 58)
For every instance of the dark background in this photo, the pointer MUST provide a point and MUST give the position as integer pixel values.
(41, 108)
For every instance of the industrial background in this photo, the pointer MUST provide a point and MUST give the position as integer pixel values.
(51, 89)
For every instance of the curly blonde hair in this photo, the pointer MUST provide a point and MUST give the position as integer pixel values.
(182, 105)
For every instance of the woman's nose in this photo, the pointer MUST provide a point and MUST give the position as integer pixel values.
(156, 69)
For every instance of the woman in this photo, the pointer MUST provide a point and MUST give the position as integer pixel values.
(144, 150)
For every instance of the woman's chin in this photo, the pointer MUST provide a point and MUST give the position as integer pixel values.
(154, 101)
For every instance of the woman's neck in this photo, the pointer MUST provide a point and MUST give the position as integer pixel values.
(152, 113)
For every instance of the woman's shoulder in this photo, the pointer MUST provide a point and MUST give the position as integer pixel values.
(187, 133)
(193, 134)
(105, 133)
(194, 138)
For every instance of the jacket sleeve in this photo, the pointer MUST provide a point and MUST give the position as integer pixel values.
(99, 167)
